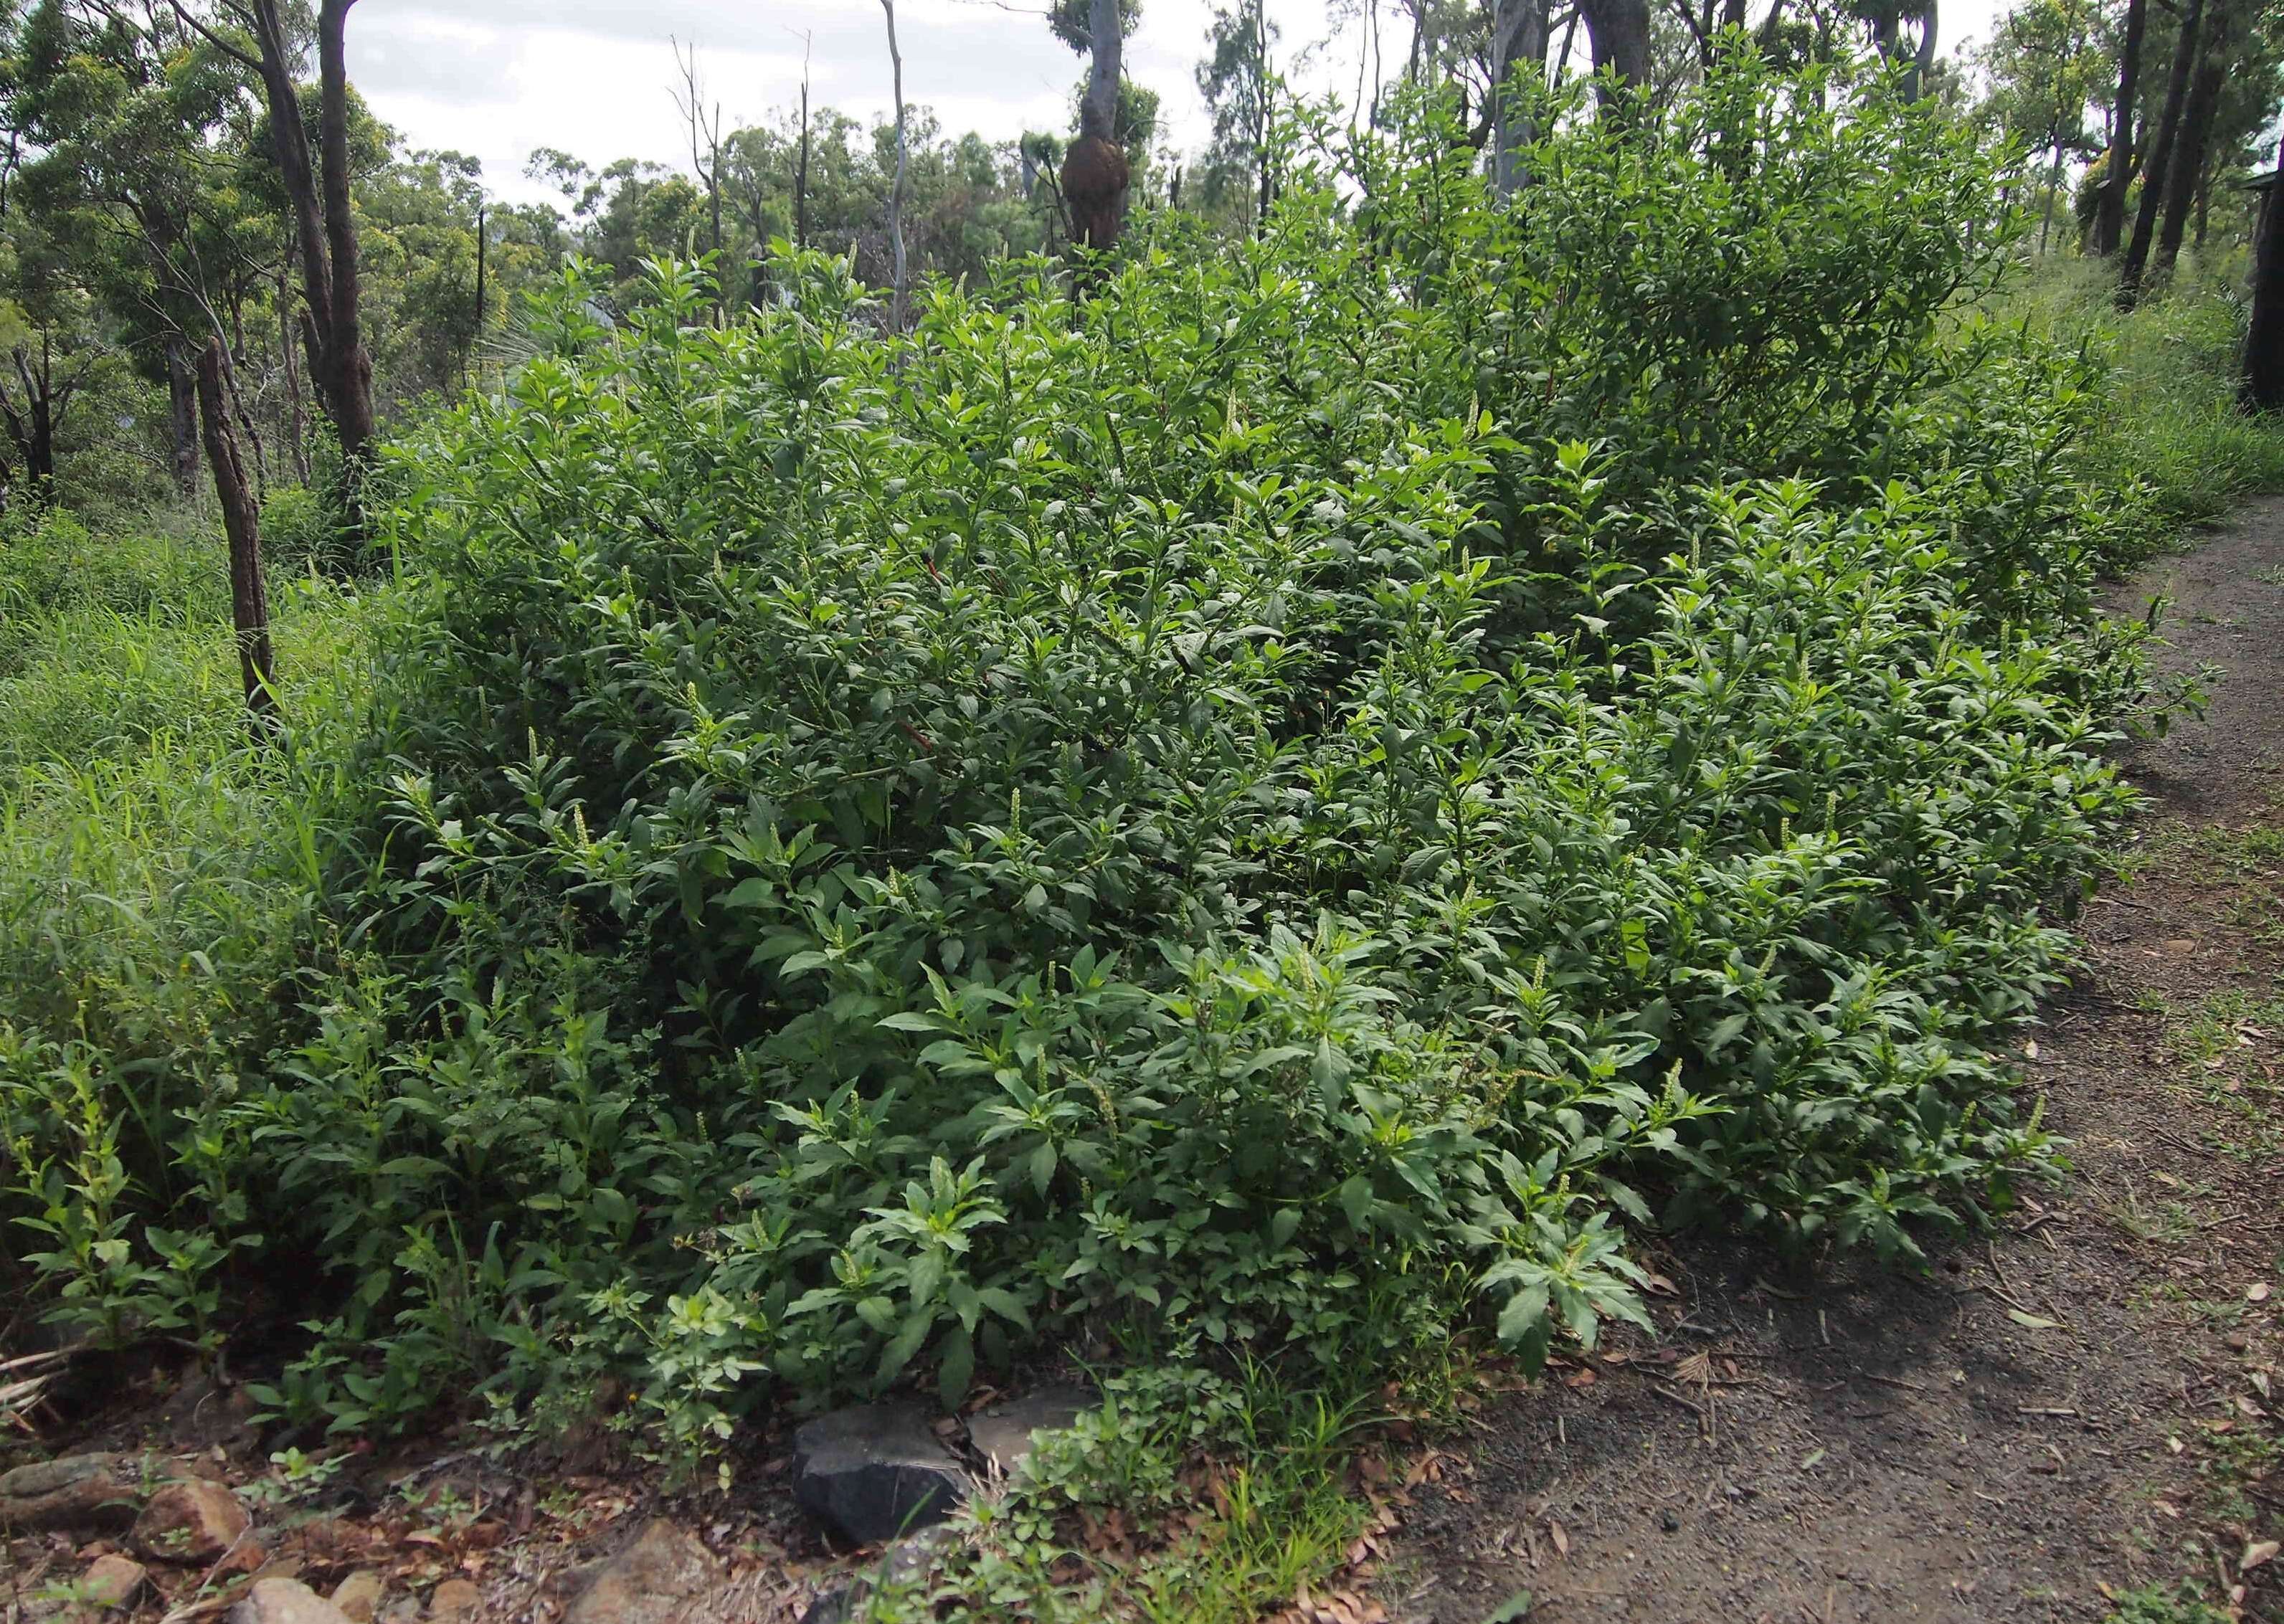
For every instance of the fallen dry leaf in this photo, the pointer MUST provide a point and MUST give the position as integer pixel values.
(2257, 1556)
(2256, 1292)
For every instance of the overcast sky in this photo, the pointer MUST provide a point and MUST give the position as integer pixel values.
(497, 78)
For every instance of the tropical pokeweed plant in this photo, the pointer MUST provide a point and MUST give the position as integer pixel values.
(1277, 808)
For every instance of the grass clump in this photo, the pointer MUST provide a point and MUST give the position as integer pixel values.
(2169, 423)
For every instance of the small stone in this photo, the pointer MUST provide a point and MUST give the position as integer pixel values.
(1004, 1434)
(1670, 1520)
(834, 1606)
(285, 1601)
(358, 1597)
(76, 1491)
(2236, 1342)
(455, 1598)
(906, 1564)
(194, 1521)
(874, 1472)
(113, 1581)
(649, 1580)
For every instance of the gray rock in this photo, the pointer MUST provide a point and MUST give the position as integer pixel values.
(285, 1601)
(874, 1472)
(649, 1580)
(836, 1607)
(79, 1492)
(907, 1562)
(1004, 1434)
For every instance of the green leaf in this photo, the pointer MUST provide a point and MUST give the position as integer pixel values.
(1514, 1607)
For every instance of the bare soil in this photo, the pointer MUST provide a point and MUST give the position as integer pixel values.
(2072, 1410)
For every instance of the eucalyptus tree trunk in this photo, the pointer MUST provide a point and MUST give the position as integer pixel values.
(2263, 388)
(897, 310)
(325, 219)
(183, 415)
(1095, 173)
(2185, 172)
(249, 606)
(1922, 68)
(2109, 209)
(1518, 39)
(2157, 166)
(1617, 33)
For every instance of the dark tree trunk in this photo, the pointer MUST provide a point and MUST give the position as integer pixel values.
(183, 415)
(325, 227)
(1923, 60)
(2263, 388)
(1518, 41)
(249, 606)
(2158, 164)
(1617, 33)
(2187, 162)
(352, 364)
(297, 422)
(2109, 209)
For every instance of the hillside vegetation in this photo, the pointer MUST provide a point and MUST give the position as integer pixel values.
(1267, 809)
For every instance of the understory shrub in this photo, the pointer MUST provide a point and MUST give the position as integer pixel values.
(1268, 809)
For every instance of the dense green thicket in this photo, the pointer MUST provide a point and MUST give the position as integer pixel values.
(1267, 807)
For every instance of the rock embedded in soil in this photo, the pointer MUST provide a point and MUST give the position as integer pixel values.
(192, 1521)
(100, 1491)
(455, 1598)
(906, 1563)
(358, 1597)
(875, 1471)
(1004, 1434)
(649, 1580)
(285, 1601)
(114, 1581)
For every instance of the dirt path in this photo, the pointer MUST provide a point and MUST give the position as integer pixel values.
(2073, 1411)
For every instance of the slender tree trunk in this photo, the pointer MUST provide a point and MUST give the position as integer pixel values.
(297, 420)
(352, 364)
(183, 415)
(483, 256)
(324, 223)
(1518, 40)
(2054, 187)
(897, 310)
(2187, 162)
(2157, 166)
(2263, 389)
(250, 607)
(2109, 209)
(801, 171)
(1262, 149)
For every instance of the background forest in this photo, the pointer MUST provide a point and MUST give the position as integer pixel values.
(889, 757)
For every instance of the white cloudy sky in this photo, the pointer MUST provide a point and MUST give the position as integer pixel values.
(497, 78)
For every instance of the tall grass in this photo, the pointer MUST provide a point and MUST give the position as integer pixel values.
(156, 864)
(2171, 420)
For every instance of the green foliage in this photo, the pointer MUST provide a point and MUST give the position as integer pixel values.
(2160, 1604)
(2167, 380)
(1266, 814)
